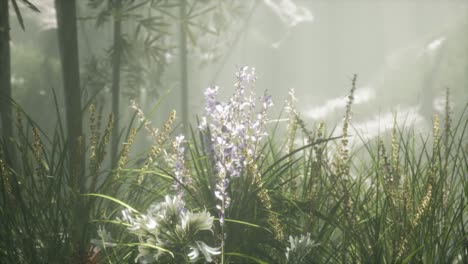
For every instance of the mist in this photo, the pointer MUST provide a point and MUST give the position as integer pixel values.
(280, 102)
(405, 53)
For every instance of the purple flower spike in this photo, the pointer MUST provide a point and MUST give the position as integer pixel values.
(236, 128)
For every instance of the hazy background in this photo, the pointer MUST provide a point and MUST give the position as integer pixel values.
(405, 53)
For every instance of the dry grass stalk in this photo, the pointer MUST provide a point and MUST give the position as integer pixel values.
(264, 198)
(93, 140)
(37, 151)
(395, 154)
(341, 162)
(159, 139)
(416, 220)
(388, 176)
(5, 176)
(100, 150)
(125, 151)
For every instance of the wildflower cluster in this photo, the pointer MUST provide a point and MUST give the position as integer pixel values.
(169, 228)
(299, 248)
(234, 129)
(176, 161)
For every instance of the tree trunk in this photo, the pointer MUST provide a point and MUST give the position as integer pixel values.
(183, 67)
(68, 44)
(116, 81)
(5, 87)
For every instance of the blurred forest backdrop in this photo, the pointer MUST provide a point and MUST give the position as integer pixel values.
(406, 53)
(59, 59)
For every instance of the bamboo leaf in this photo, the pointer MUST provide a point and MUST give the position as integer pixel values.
(18, 14)
(31, 6)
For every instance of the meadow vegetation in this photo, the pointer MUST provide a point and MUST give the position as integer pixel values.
(237, 191)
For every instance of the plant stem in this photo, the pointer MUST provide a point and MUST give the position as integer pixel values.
(116, 62)
(183, 66)
(68, 44)
(5, 87)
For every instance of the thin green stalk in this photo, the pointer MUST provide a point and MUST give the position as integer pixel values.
(116, 61)
(184, 92)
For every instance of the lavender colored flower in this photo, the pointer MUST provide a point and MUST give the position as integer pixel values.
(236, 128)
(176, 160)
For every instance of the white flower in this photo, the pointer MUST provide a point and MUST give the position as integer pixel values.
(166, 227)
(206, 250)
(105, 239)
(299, 248)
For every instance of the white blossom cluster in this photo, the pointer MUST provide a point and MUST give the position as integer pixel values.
(299, 248)
(167, 228)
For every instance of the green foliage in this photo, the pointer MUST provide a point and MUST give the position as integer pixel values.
(18, 12)
(150, 32)
(407, 206)
(401, 200)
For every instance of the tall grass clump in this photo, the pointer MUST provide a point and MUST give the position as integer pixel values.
(37, 221)
(311, 198)
(37, 196)
(233, 192)
(221, 173)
